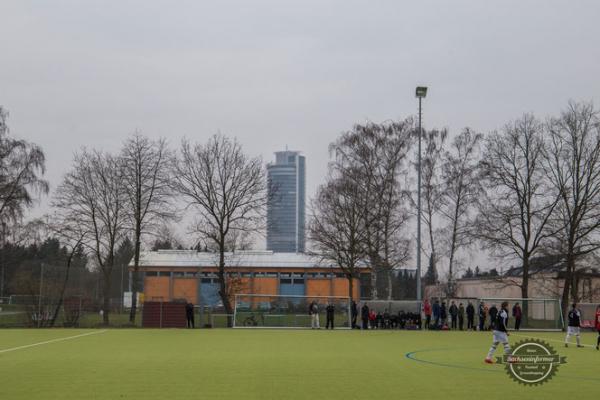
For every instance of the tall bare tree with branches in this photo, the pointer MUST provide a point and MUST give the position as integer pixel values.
(516, 207)
(146, 178)
(432, 195)
(337, 226)
(93, 195)
(573, 168)
(460, 191)
(372, 156)
(227, 189)
(72, 235)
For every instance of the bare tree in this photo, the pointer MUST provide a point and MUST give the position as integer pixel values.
(337, 226)
(432, 195)
(573, 168)
(146, 181)
(72, 236)
(22, 164)
(460, 192)
(372, 156)
(227, 189)
(515, 208)
(93, 195)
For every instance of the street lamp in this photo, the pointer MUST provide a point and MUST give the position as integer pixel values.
(420, 93)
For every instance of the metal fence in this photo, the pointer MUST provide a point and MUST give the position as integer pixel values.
(75, 312)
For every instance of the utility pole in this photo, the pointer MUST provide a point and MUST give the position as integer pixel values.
(421, 92)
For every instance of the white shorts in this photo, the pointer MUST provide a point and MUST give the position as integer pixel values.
(572, 330)
(500, 337)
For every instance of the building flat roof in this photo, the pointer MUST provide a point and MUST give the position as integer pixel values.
(241, 259)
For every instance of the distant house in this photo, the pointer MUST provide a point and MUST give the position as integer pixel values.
(170, 275)
(545, 281)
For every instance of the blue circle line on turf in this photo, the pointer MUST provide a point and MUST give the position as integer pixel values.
(410, 356)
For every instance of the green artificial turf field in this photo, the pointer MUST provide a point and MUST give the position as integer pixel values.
(275, 364)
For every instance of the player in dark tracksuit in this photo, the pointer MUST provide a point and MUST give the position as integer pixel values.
(470, 316)
(500, 333)
(330, 310)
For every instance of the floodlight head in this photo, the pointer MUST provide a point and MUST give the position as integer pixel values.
(421, 91)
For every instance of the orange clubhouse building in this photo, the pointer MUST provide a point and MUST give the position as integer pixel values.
(174, 275)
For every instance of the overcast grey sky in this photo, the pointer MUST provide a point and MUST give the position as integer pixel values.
(277, 73)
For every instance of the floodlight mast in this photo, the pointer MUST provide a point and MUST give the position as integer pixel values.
(420, 93)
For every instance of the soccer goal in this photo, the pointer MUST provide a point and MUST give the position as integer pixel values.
(280, 311)
(537, 314)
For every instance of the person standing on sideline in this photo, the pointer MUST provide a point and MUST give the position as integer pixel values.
(500, 334)
(517, 314)
(453, 314)
(354, 313)
(443, 314)
(598, 326)
(313, 311)
(330, 311)
(364, 315)
(574, 325)
(461, 316)
(493, 314)
(481, 314)
(436, 314)
(189, 314)
(470, 316)
(427, 312)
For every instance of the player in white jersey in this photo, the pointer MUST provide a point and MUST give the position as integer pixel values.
(500, 333)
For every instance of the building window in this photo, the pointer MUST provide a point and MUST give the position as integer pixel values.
(151, 273)
(164, 273)
(178, 274)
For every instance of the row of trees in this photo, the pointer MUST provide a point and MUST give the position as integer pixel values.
(529, 189)
(106, 199)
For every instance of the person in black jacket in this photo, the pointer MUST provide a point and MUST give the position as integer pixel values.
(461, 316)
(364, 315)
(453, 314)
(443, 314)
(330, 310)
(470, 316)
(354, 313)
(189, 314)
(493, 314)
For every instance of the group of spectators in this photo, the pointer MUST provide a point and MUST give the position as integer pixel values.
(440, 316)
(437, 316)
(371, 319)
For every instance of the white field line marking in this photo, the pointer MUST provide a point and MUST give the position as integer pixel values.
(52, 341)
(551, 340)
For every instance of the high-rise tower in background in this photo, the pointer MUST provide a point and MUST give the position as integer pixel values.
(286, 214)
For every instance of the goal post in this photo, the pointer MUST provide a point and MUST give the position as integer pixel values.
(282, 311)
(538, 314)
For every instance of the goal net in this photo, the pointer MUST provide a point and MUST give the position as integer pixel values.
(537, 314)
(276, 311)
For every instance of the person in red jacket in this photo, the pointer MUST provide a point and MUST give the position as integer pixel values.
(427, 312)
(598, 326)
